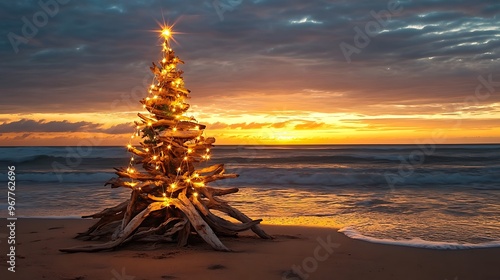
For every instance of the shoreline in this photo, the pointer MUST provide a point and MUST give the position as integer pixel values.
(313, 252)
(349, 231)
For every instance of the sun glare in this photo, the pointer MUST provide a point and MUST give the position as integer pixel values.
(166, 32)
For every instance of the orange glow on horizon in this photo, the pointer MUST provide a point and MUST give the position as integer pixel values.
(266, 128)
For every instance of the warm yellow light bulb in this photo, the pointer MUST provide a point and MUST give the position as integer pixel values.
(175, 128)
(190, 151)
(185, 158)
(155, 157)
(147, 149)
(129, 146)
(164, 60)
(169, 147)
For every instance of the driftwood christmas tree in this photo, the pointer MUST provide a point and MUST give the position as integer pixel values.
(170, 199)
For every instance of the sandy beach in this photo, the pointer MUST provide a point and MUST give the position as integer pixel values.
(314, 253)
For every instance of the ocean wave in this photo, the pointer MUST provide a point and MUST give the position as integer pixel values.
(309, 159)
(361, 159)
(299, 178)
(67, 177)
(319, 155)
(417, 242)
(361, 178)
(75, 160)
(27, 154)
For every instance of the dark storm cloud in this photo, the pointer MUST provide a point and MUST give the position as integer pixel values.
(26, 125)
(94, 55)
(117, 129)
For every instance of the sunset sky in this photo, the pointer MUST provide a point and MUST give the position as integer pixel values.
(260, 72)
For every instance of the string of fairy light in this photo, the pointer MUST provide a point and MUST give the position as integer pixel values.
(168, 71)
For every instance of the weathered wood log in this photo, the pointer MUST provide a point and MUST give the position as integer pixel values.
(142, 177)
(182, 238)
(109, 211)
(137, 152)
(199, 225)
(216, 177)
(179, 224)
(219, 224)
(210, 169)
(220, 192)
(222, 206)
(187, 134)
(130, 208)
(104, 230)
(134, 223)
(95, 231)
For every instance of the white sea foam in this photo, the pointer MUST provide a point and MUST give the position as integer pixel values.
(417, 242)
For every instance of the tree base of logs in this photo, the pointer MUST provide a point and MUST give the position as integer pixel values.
(148, 218)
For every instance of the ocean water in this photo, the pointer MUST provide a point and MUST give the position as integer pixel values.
(439, 196)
